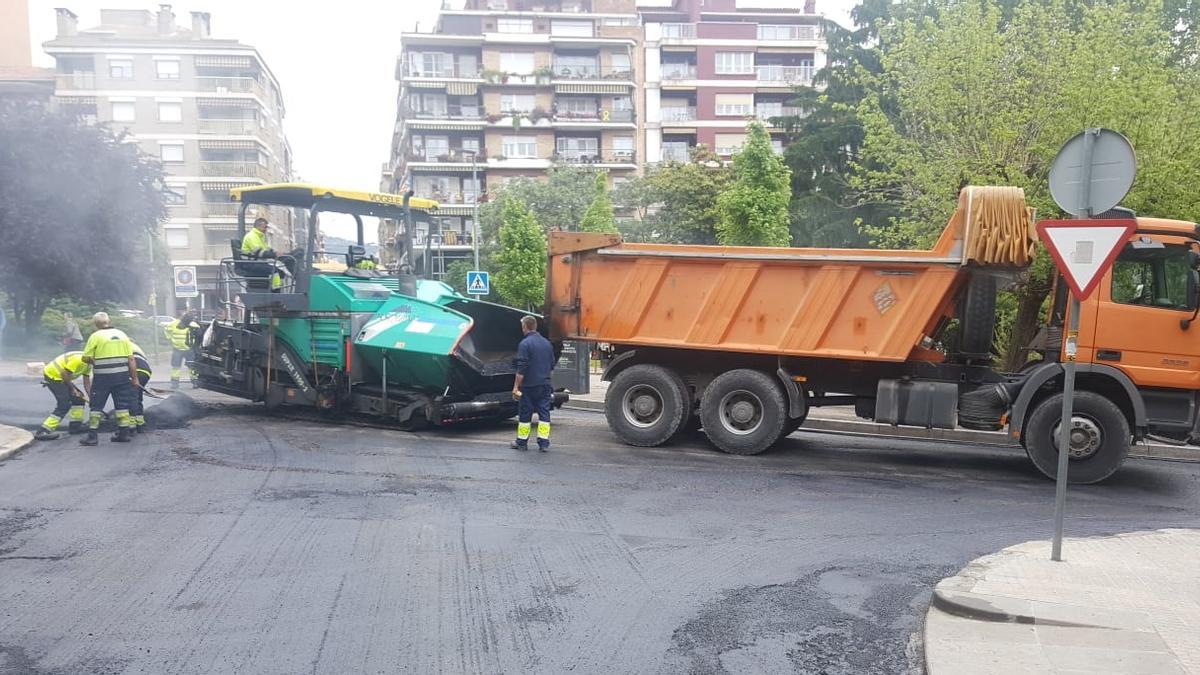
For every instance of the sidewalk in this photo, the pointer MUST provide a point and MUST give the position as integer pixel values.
(1128, 603)
(13, 440)
(842, 419)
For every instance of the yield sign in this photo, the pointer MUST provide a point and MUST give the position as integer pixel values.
(1084, 249)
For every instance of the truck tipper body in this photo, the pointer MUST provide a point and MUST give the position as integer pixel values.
(743, 341)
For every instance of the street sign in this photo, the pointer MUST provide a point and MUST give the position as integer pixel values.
(185, 282)
(478, 283)
(1084, 249)
(1092, 172)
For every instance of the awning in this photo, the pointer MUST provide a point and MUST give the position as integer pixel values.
(462, 88)
(224, 62)
(420, 84)
(599, 88)
(222, 227)
(228, 145)
(214, 102)
(444, 167)
(77, 100)
(676, 130)
(455, 210)
(224, 186)
(435, 125)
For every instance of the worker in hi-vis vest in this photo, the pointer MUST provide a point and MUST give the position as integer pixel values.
(114, 375)
(178, 334)
(59, 377)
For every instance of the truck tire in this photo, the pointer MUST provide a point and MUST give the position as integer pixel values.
(978, 316)
(645, 405)
(1100, 437)
(743, 412)
(690, 423)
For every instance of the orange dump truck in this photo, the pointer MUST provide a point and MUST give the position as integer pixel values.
(743, 341)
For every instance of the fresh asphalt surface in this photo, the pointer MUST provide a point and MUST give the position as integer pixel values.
(265, 545)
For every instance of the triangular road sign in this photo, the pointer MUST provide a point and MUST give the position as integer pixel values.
(1084, 249)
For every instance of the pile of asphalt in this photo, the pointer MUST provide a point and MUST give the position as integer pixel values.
(175, 412)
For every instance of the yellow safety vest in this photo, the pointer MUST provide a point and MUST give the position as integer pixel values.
(177, 334)
(71, 362)
(365, 264)
(109, 349)
(253, 242)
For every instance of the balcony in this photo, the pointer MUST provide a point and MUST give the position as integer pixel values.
(239, 169)
(444, 72)
(79, 79)
(600, 156)
(227, 127)
(610, 116)
(231, 85)
(678, 71)
(568, 72)
(786, 74)
(679, 114)
(219, 209)
(452, 112)
(453, 198)
(788, 33)
(765, 111)
(443, 156)
(676, 154)
(679, 31)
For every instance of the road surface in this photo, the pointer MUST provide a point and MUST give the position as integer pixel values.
(254, 544)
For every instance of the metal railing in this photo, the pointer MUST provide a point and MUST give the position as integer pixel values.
(76, 80)
(450, 199)
(679, 31)
(678, 71)
(451, 155)
(787, 33)
(615, 116)
(219, 209)
(789, 74)
(239, 169)
(675, 154)
(227, 127)
(765, 111)
(449, 70)
(239, 85)
(453, 112)
(600, 156)
(679, 114)
(218, 251)
(596, 72)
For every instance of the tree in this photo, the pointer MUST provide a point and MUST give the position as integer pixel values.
(985, 93)
(557, 203)
(78, 211)
(521, 257)
(599, 215)
(754, 210)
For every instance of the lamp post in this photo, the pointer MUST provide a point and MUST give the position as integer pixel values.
(475, 205)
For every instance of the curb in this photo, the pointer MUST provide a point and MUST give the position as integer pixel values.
(22, 439)
(990, 438)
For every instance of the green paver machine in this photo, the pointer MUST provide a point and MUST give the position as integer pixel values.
(299, 330)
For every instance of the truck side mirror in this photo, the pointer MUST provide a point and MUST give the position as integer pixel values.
(1193, 294)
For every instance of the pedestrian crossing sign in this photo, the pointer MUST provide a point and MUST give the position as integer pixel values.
(478, 283)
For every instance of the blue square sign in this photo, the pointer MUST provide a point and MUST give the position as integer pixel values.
(478, 283)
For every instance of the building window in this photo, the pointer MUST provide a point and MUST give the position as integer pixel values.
(436, 146)
(167, 70)
(175, 194)
(739, 105)
(622, 147)
(120, 69)
(170, 111)
(124, 111)
(735, 63)
(517, 63)
(432, 104)
(170, 152)
(576, 66)
(571, 28)
(578, 106)
(777, 146)
(621, 64)
(521, 103)
(727, 144)
(515, 25)
(176, 238)
(520, 147)
(470, 145)
(675, 151)
(577, 148)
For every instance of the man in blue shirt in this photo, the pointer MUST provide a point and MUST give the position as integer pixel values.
(532, 389)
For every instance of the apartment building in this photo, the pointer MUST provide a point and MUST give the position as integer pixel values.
(210, 109)
(711, 64)
(507, 88)
(20, 81)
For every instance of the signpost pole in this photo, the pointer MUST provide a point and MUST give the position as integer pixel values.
(1064, 428)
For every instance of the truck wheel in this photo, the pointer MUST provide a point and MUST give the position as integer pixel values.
(1100, 437)
(645, 405)
(743, 412)
(690, 422)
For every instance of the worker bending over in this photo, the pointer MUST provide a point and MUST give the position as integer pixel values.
(178, 332)
(137, 409)
(59, 377)
(114, 374)
(532, 388)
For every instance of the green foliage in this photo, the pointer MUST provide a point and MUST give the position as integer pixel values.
(677, 200)
(599, 214)
(557, 203)
(521, 257)
(78, 209)
(754, 210)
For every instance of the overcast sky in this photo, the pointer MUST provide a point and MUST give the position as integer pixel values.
(334, 61)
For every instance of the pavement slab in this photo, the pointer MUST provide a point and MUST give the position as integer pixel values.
(1125, 603)
(13, 440)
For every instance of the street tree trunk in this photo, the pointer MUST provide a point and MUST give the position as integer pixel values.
(1030, 297)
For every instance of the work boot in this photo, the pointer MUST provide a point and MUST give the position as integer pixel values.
(76, 428)
(519, 445)
(544, 446)
(92, 438)
(140, 429)
(44, 434)
(122, 435)
(174, 385)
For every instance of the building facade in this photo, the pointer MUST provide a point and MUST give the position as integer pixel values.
(20, 81)
(507, 88)
(210, 109)
(711, 64)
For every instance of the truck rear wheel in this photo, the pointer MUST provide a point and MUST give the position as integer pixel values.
(743, 412)
(645, 405)
(1100, 437)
